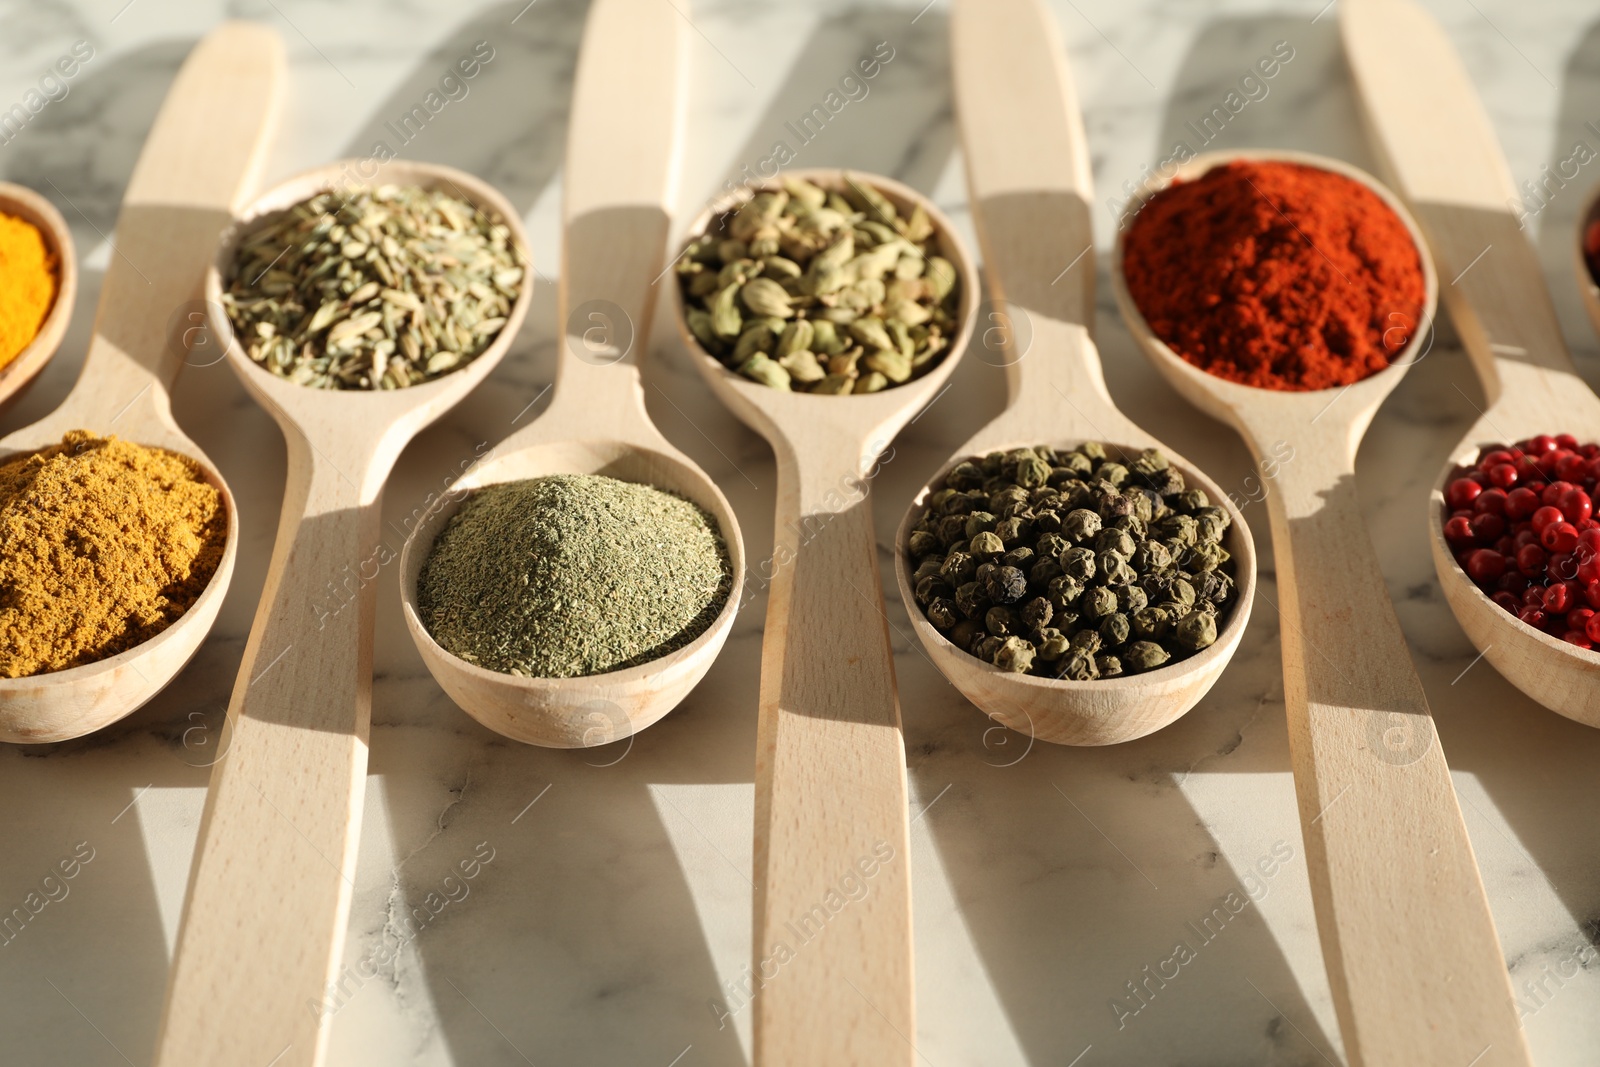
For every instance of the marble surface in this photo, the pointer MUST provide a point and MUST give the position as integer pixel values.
(613, 917)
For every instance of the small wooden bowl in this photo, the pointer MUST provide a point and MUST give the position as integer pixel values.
(23, 203)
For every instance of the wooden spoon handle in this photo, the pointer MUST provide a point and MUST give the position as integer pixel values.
(1410, 947)
(264, 922)
(201, 158)
(832, 847)
(1027, 157)
(623, 148)
(1441, 153)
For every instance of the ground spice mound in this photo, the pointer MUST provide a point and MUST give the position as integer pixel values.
(1276, 275)
(103, 544)
(27, 285)
(572, 574)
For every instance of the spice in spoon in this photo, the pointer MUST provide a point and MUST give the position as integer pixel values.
(27, 285)
(1277, 275)
(814, 291)
(1521, 523)
(572, 574)
(103, 544)
(1068, 563)
(373, 289)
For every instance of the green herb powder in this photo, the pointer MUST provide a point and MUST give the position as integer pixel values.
(572, 574)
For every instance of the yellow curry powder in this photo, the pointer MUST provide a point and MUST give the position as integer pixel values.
(103, 544)
(27, 285)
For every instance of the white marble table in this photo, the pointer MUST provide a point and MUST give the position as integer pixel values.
(613, 921)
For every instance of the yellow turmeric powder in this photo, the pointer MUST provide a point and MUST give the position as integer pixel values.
(103, 544)
(27, 285)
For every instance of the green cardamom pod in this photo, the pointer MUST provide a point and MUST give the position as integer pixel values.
(834, 385)
(870, 332)
(758, 368)
(797, 335)
(700, 325)
(763, 296)
(778, 267)
(756, 338)
(892, 365)
(826, 338)
(802, 366)
(941, 277)
(865, 198)
(871, 382)
(803, 192)
(725, 319)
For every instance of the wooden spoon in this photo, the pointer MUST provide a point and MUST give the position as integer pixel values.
(23, 203)
(264, 922)
(1029, 186)
(622, 154)
(831, 798)
(202, 155)
(1407, 938)
(1441, 151)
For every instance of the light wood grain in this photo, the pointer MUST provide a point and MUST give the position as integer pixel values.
(1440, 149)
(20, 202)
(1410, 947)
(201, 158)
(831, 802)
(264, 922)
(1030, 189)
(623, 141)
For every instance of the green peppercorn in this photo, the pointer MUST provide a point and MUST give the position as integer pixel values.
(1081, 525)
(1109, 666)
(1196, 630)
(963, 633)
(986, 546)
(1144, 656)
(1014, 655)
(971, 601)
(1114, 629)
(979, 522)
(943, 613)
(1077, 666)
(1000, 621)
(958, 568)
(1114, 540)
(923, 543)
(1098, 601)
(1006, 585)
(1078, 563)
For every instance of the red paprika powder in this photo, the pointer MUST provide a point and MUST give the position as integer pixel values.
(1276, 275)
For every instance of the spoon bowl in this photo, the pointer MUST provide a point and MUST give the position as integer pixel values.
(1562, 676)
(1103, 711)
(23, 203)
(224, 100)
(594, 709)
